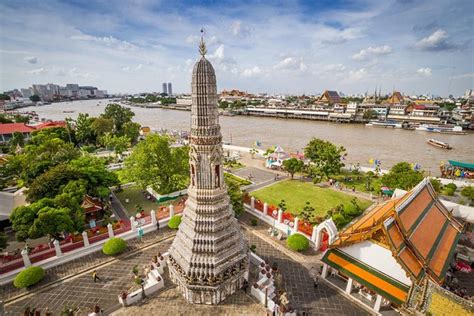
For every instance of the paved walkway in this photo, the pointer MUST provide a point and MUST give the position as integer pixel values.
(171, 302)
(71, 283)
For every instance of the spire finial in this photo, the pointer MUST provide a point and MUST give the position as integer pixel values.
(202, 45)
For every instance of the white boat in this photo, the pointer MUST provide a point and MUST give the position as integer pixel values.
(384, 124)
(438, 143)
(441, 129)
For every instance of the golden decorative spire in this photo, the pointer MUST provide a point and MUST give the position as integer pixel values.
(202, 45)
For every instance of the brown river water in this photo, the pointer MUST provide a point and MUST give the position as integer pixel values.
(362, 143)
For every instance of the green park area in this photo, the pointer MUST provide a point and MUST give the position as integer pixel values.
(136, 196)
(297, 193)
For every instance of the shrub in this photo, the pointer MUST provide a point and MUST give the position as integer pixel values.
(451, 186)
(253, 248)
(253, 222)
(340, 220)
(28, 277)
(114, 246)
(449, 191)
(174, 222)
(297, 242)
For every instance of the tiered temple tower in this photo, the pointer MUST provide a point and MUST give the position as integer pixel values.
(208, 258)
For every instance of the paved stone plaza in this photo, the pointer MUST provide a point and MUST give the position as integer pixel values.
(171, 302)
(80, 291)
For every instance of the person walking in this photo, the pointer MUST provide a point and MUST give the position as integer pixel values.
(95, 277)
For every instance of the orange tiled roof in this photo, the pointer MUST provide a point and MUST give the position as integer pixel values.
(91, 204)
(418, 229)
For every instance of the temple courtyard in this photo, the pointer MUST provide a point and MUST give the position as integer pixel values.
(71, 285)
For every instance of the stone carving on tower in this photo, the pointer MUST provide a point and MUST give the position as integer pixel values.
(208, 258)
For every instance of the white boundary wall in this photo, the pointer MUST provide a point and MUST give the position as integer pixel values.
(78, 253)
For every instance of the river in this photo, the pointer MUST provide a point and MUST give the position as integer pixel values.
(362, 143)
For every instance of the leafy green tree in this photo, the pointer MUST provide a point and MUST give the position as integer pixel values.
(236, 197)
(293, 166)
(307, 212)
(96, 180)
(154, 162)
(402, 176)
(118, 144)
(102, 126)
(4, 96)
(39, 155)
(132, 131)
(325, 156)
(84, 132)
(35, 98)
(223, 104)
(18, 139)
(119, 115)
(52, 222)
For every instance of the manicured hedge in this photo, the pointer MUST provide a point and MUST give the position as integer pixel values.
(28, 277)
(114, 246)
(297, 242)
(174, 222)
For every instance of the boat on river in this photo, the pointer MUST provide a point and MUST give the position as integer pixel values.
(438, 143)
(384, 124)
(443, 129)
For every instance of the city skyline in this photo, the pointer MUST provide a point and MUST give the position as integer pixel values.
(413, 47)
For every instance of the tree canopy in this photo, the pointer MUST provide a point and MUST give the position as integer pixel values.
(325, 156)
(402, 176)
(293, 166)
(154, 162)
(119, 115)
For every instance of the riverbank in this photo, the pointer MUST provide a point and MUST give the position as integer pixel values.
(362, 143)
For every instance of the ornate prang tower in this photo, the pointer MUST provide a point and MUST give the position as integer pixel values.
(208, 258)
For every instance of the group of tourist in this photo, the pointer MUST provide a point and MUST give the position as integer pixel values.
(454, 172)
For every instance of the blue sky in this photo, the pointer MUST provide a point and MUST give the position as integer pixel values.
(257, 46)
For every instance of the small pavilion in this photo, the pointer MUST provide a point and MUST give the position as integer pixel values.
(93, 208)
(398, 245)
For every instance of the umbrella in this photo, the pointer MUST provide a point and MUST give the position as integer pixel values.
(385, 188)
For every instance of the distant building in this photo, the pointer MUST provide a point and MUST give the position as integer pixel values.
(27, 92)
(395, 98)
(330, 97)
(165, 88)
(170, 89)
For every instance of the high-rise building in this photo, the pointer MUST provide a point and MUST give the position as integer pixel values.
(208, 259)
(165, 88)
(27, 92)
(170, 89)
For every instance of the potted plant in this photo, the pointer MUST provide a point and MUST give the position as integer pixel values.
(123, 298)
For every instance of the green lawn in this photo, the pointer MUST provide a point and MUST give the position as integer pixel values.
(236, 179)
(135, 196)
(296, 193)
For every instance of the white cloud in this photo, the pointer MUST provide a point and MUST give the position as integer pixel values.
(31, 60)
(37, 71)
(372, 52)
(424, 72)
(108, 41)
(334, 68)
(290, 63)
(218, 54)
(250, 72)
(358, 74)
(435, 42)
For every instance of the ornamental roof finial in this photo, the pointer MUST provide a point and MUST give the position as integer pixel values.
(202, 45)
